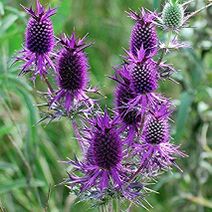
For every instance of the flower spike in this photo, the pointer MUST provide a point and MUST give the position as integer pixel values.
(71, 72)
(39, 41)
(143, 33)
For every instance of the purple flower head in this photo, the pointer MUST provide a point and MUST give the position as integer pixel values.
(143, 32)
(72, 67)
(142, 73)
(39, 41)
(156, 151)
(129, 119)
(102, 165)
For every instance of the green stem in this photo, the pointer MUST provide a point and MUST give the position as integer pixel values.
(168, 39)
(117, 205)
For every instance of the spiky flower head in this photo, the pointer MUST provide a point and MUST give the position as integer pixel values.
(143, 72)
(141, 76)
(143, 32)
(129, 118)
(71, 70)
(172, 15)
(123, 96)
(156, 127)
(39, 40)
(155, 149)
(102, 165)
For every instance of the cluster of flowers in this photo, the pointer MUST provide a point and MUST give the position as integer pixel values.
(124, 149)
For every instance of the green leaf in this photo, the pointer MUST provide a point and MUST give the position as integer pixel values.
(156, 4)
(17, 12)
(195, 68)
(7, 22)
(183, 112)
(4, 130)
(14, 81)
(5, 166)
(1, 9)
(19, 183)
(19, 86)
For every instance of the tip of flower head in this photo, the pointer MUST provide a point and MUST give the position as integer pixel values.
(103, 120)
(122, 75)
(144, 16)
(141, 55)
(163, 110)
(39, 11)
(74, 43)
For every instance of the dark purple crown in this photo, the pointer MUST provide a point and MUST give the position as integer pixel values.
(39, 33)
(123, 96)
(144, 76)
(155, 131)
(143, 72)
(72, 65)
(156, 127)
(143, 32)
(106, 144)
(39, 36)
(72, 69)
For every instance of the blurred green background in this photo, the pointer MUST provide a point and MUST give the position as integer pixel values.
(30, 168)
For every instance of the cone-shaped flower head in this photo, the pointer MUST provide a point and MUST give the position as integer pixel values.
(143, 32)
(106, 145)
(172, 15)
(72, 67)
(104, 155)
(129, 118)
(156, 151)
(156, 128)
(39, 40)
(123, 96)
(143, 72)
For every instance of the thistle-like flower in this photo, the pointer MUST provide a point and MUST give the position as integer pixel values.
(142, 73)
(143, 32)
(129, 119)
(72, 70)
(39, 41)
(155, 150)
(102, 165)
(172, 15)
